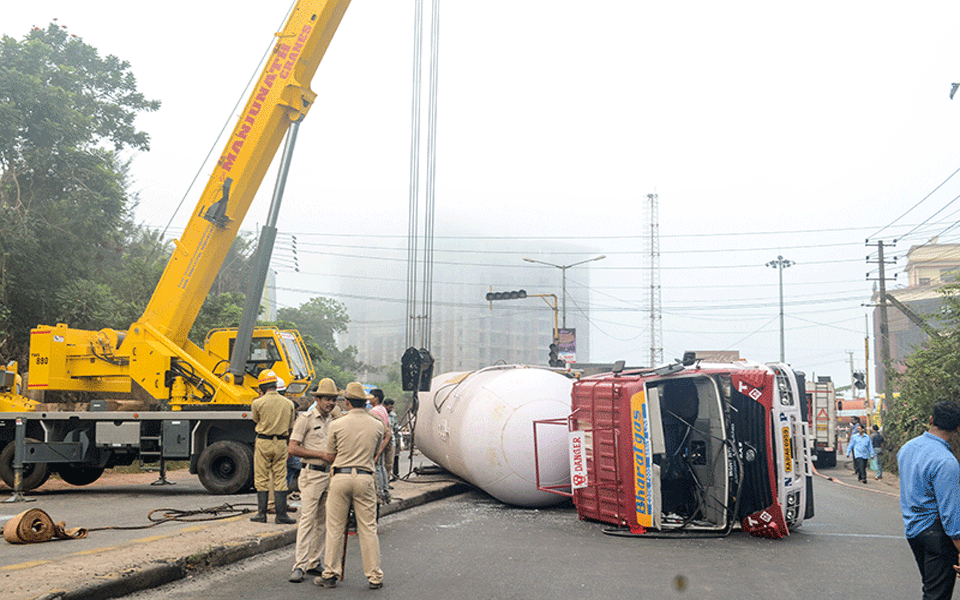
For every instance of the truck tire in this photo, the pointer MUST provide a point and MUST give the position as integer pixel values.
(34, 474)
(249, 450)
(224, 467)
(77, 474)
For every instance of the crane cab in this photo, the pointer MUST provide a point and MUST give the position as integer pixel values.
(271, 348)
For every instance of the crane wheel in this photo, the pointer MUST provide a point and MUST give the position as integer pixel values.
(248, 486)
(76, 474)
(34, 474)
(225, 467)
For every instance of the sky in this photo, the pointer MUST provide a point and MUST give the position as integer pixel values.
(765, 129)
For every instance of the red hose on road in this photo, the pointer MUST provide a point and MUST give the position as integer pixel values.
(836, 480)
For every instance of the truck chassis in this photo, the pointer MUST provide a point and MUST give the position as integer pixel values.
(79, 446)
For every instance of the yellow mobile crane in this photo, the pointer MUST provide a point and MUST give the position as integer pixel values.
(204, 393)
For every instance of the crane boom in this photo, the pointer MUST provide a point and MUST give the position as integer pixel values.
(281, 95)
(154, 354)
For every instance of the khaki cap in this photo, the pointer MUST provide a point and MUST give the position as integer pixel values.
(326, 387)
(355, 391)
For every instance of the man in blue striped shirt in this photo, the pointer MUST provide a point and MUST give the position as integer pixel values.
(930, 501)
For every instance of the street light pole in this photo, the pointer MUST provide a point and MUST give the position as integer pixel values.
(780, 264)
(563, 269)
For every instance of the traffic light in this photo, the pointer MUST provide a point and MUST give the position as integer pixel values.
(491, 296)
(554, 356)
(859, 380)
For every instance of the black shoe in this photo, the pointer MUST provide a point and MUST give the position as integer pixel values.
(376, 586)
(296, 576)
(315, 571)
(326, 582)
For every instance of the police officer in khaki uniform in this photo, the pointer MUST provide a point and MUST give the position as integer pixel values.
(307, 440)
(353, 444)
(274, 416)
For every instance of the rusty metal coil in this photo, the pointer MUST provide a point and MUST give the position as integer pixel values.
(34, 526)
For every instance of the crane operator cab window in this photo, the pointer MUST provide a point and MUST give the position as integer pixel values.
(690, 456)
(263, 354)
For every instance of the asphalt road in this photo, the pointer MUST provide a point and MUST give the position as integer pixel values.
(472, 547)
(112, 502)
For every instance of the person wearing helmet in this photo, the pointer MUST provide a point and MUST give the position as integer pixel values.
(274, 416)
(307, 440)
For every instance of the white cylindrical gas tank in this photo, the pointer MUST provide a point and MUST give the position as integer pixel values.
(479, 426)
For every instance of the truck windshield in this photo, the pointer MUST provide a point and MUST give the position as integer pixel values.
(298, 362)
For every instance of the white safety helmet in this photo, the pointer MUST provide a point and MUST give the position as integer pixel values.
(281, 385)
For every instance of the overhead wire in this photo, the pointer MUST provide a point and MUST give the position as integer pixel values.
(931, 216)
(921, 201)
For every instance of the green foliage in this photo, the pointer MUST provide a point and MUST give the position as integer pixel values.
(65, 112)
(393, 388)
(932, 375)
(224, 304)
(319, 320)
(232, 277)
(221, 310)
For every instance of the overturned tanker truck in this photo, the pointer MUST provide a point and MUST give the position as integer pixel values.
(479, 426)
(690, 448)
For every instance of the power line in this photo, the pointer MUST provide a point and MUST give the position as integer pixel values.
(572, 237)
(890, 224)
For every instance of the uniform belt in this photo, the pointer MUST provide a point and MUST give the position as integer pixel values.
(271, 437)
(323, 468)
(339, 470)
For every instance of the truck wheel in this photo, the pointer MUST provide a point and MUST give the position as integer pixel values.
(248, 486)
(76, 474)
(34, 474)
(224, 467)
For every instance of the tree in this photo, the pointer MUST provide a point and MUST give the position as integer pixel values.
(223, 306)
(932, 374)
(221, 310)
(319, 321)
(393, 388)
(65, 114)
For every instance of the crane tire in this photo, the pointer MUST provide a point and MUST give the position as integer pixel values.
(248, 486)
(34, 474)
(78, 474)
(224, 467)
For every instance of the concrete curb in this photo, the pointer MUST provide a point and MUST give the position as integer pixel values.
(161, 573)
